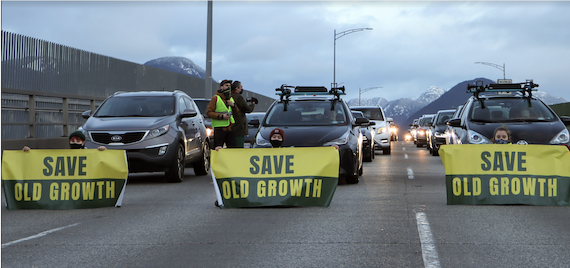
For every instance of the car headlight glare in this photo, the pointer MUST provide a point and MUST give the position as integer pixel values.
(562, 137)
(381, 130)
(209, 131)
(153, 133)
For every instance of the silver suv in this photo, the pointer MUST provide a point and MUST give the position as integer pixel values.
(160, 131)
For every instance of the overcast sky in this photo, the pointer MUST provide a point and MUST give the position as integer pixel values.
(264, 44)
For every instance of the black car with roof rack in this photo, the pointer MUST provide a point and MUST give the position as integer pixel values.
(315, 116)
(529, 120)
(161, 131)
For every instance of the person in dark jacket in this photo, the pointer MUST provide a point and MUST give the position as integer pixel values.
(240, 128)
(221, 109)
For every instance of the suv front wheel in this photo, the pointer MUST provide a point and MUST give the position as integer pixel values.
(202, 167)
(175, 172)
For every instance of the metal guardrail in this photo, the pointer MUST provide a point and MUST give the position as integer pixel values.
(33, 114)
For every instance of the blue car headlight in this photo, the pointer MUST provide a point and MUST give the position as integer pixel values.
(339, 141)
(562, 137)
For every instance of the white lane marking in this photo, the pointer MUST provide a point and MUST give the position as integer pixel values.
(404, 148)
(38, 235)
(410, 174)
(429, 252)
(405, 156)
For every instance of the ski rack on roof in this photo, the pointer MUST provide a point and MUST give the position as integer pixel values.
(525, 88)
(285, 92)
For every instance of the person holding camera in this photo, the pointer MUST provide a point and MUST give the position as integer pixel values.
(240, 128)
(221, 110)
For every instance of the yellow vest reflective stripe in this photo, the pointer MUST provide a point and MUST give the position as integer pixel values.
(221, 108)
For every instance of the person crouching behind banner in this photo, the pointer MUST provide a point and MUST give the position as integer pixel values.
(76, 141)
(277, 137)
(502, 135)
(221, 109)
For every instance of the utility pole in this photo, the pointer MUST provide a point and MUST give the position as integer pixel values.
(208, 87)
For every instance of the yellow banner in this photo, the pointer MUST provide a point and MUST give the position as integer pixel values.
(276, 162)
(64, 164)
(305, 176)
(514, 159)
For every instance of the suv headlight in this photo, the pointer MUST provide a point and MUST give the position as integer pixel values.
(261, 141)
(562, 137)
(153, 133)
(381, 130)
(476, 138)
(339, 141)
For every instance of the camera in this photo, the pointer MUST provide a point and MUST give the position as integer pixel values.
(253, 100)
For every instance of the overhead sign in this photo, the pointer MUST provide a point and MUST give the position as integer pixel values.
(64, 179)
(507, 174)
(305, 176)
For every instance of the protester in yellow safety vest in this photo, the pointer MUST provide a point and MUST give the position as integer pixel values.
(220, 110)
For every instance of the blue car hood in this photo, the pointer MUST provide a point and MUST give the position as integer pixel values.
(125, 123)
(307, 136)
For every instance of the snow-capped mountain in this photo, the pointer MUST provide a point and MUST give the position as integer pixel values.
(179, 65)
(547, 98)
(431, 94)
(401, 109)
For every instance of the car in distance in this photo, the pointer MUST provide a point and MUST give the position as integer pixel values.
(313, 116)
(529, 120)
(252, 127)
(381, 126)
(421, 132)
(161, 131)
(203, 106)
(367, 138)
(436, 131)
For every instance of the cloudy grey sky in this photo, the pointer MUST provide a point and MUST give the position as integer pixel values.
(264, 44)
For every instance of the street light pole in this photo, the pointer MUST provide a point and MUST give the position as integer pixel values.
(502, 68)
(360, 91)
(337, 36)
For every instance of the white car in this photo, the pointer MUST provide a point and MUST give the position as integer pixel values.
(382, 127)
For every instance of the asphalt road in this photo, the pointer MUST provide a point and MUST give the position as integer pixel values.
(396, 216)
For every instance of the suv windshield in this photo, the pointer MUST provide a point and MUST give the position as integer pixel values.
(137, 106)
(371, 113)
(307, 113)
(511, 110)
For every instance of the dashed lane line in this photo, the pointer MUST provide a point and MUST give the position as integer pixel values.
(38, 235)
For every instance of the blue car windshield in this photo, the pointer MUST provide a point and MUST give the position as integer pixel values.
(307, 113)
(511, 110)
(137, 107)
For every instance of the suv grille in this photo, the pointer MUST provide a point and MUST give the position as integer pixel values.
(126, 138)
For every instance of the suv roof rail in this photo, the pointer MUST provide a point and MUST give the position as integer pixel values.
(525, 88)
(285, 91)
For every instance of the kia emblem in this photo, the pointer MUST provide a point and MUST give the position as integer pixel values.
(116, 138)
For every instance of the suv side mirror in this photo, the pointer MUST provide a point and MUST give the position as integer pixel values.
(254, 122)
(86, 114)
(454, 122)
(189, 113)
(362, 121)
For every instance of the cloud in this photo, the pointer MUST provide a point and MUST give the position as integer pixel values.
(413, 45)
